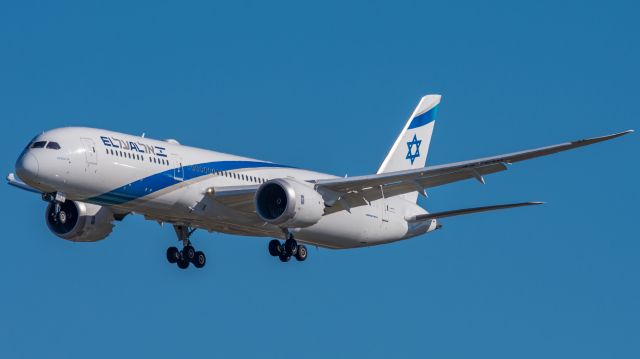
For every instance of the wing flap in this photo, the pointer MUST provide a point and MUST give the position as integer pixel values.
(369, 194)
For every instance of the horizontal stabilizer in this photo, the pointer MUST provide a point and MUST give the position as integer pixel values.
(458, 212)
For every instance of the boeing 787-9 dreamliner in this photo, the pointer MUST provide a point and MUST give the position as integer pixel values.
(92, 178)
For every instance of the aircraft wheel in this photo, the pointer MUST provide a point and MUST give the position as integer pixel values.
(173, 254)
(189, 253)
(291, 246)
(199, 260)
(183, 263)
(62, 217)
(301, 253)
(275, 248)
(284, 257)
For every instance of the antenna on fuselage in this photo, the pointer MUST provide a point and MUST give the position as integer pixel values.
(143, 135)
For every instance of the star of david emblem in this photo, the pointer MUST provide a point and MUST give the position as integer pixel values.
(413, 155)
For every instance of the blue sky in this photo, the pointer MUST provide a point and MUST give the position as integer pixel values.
(328, 85)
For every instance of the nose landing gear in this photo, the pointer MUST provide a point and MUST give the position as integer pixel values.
(289, 249)
(188, 254)
(59, 215)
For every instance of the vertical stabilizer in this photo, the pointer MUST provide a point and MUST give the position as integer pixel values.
(412, 146)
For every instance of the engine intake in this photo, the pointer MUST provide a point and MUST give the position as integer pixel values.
(79, 221)
(289, 203)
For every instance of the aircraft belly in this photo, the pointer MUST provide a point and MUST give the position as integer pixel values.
(350, 230)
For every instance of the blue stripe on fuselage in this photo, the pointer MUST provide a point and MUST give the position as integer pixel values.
(168, 178)
(424, 119)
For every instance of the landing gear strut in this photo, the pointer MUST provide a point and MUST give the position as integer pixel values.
(188, 254)
(57, 198)
(289, 249)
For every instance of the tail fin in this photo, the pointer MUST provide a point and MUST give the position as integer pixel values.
(411, 148)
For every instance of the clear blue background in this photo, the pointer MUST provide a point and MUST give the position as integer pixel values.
(328, 85)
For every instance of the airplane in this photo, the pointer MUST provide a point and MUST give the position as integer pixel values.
(92, 178)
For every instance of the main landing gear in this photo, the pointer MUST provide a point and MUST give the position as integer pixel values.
(188, 254)
(289, 249)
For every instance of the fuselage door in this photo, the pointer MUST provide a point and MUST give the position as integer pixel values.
(90, 151)
(178, 171)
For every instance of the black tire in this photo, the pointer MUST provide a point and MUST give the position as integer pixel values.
(199, 260)
(173, 254)
(291, 246)
(301, 253)
(188, 252)
(275, 248)
(284, 257)
(183, 263)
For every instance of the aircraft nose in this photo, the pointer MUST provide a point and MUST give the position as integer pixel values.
(27, 167)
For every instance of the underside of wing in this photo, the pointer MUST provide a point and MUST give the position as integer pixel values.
(239, 198)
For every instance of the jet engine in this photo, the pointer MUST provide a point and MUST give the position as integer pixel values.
(79, 221)
(289, 203)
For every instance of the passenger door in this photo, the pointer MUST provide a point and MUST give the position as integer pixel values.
(178, 171)
(90, 151)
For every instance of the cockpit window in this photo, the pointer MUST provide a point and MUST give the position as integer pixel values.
(53, 145)
(39, 144)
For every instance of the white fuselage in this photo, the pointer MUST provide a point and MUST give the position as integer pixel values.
(168, 182)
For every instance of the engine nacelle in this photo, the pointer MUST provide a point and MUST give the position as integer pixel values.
(289, 203)
(79, 221)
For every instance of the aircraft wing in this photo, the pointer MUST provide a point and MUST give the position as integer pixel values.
(359, 190)
(346, 193)
(13, 181)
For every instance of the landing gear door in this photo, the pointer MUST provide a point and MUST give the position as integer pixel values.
(90, 151)
(178, 171)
